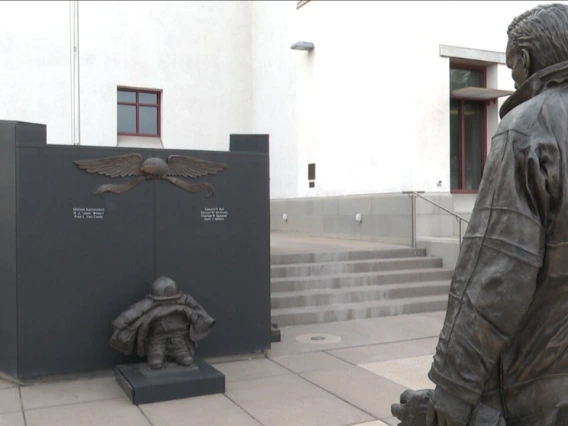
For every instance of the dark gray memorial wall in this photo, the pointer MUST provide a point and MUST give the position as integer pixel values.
(70, 262)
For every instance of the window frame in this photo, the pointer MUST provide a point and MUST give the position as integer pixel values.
(138, 104)
(461, 177)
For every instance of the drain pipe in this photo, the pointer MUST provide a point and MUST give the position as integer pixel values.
(74, 66)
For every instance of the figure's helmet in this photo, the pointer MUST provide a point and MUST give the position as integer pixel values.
(165, 288)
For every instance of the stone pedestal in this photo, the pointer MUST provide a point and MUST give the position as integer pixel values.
(144, 385)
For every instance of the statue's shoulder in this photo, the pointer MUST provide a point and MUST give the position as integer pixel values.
(522, 118)
(133, 312)
(187, 300)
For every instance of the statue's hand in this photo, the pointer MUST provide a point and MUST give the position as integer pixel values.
(413, 408)
(448, 410)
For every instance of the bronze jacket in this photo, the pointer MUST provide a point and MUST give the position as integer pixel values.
(131, 328)
(505, 337)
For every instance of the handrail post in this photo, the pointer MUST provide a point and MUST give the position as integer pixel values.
(413, 195)
(413, 199)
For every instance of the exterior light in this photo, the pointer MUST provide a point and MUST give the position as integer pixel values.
(302, 45)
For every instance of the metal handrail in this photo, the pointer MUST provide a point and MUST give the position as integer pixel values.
(413, 195)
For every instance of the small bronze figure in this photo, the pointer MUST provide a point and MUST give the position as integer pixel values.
(166, 325)
(152, 168)
(502, 355)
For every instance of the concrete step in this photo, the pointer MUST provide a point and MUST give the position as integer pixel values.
(446, 248)
(354, 266)
(297, 299)
(338, 256)
(359, 279)
(362, 310)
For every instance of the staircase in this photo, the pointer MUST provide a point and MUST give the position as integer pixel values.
(311, 288)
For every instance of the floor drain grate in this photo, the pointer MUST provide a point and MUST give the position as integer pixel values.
(318, 338)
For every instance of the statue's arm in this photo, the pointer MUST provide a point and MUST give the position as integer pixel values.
(187, 300)
(132, 313)
(201, 322)
(500, 258)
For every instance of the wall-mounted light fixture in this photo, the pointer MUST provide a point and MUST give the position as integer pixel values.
(312, 175)
(358, 217)
(302, 45)
(285, 217)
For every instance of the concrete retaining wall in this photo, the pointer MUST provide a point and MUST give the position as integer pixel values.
(384, 217)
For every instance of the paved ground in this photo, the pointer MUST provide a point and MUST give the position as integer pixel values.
(348, 375)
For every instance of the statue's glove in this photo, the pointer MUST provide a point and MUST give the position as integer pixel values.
(413, 408)
(448, 409)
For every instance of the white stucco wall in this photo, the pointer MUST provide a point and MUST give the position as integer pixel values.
(372, 99)
(199, 53)
(275, 108)
(35, 65)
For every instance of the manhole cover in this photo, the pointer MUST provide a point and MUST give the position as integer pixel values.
(322, 339)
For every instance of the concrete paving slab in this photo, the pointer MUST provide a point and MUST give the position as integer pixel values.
(311, 361)
(387, 351)
(112, 412)
(70, 392)
(249, 370)
(359, 387)
(392, 421)
(12, 419)
(360, 333)
(439, 315)
(291, 401)
(409, 372)
(375, 423)
(211, 410)
(4, 384)
(10, 400)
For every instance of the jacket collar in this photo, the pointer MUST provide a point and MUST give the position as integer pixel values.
(535, 84)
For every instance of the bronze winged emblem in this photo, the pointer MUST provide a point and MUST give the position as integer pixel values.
(178, 166)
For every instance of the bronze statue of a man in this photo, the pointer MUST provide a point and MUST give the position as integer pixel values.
(502, 355)
(166, 325)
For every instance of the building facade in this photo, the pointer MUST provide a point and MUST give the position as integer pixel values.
(63, 64)
(394, 96)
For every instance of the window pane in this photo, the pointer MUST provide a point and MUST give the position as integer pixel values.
(454, 144)
(473, 144)
(126, 119)
(149, 120)
(148, 98)
(124, 96)
(460, 78)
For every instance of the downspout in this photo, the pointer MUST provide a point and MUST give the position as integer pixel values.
(75, 82)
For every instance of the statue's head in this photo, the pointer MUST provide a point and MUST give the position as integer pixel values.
(538, 39)
(164, 288)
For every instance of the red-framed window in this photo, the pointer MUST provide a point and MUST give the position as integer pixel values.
(468, 130)
(138, 112)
